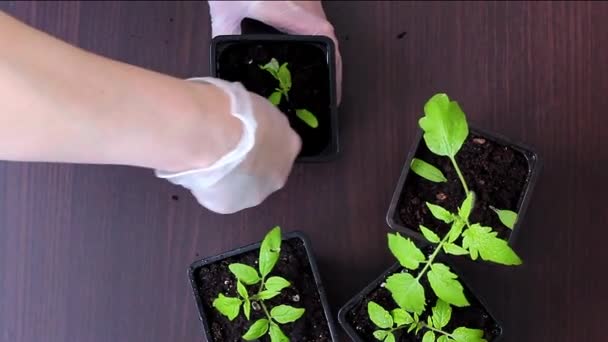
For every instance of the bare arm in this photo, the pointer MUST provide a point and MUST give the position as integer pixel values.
(62, 104)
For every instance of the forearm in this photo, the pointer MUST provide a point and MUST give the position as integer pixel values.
(63, 104)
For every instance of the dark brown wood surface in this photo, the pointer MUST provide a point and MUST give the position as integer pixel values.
(99, 253)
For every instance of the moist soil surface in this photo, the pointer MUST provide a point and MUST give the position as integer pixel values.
(307, 61)
(294, 266)
(496, 173)
(474, 316)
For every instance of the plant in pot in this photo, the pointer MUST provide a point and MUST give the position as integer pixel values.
(269, 291)
(457, 315)
(296, 73)
(501, 173)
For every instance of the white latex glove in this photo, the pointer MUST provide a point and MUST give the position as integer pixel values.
(257, 167)
(293, 17)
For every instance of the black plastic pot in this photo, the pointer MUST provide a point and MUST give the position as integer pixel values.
(393, 217)
(198, 296)
(312, 63)
(357, 300)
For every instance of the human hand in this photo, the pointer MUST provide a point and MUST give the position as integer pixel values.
(257, 167)
(293, 17)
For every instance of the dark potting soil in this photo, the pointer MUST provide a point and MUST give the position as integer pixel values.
(307, 61)
(294, 266)
(474, 316)
(496, 173)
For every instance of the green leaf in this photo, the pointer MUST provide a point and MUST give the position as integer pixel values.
(440, 213)
(284, 77)
(406, 252)
(427, 171)
(286, 314)
(389, 337)
(378, 315)
(244, 273)
(446, 286)
(444, 125)
(277, 284)
(429, 336)
(467, 206)
(272, 67)
(240, 288)
(227, 306)
(507, 217)
(256, 330)
(482, 240)
(444, 338)
(266, 294)
(406, 291)
(401, 317)
(270, 250)
(442, 313)
(247, 308)
(455, 230)
(275, 98)
(276, 334)
(429, 235)
(454, 249)
(309, 118)
(463, 334)
(380, 334)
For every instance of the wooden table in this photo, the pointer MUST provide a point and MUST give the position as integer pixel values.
(99, 253)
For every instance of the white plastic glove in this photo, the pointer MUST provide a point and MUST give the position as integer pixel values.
(293, 17)
(257, 167)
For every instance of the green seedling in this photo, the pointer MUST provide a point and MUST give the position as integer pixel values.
(445, 131)
(269, 287)
(282, 74)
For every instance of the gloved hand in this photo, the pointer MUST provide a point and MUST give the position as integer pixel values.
(257, 167)
(293, 17)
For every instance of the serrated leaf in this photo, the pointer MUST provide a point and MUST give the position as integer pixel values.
(377, 314)
(463, 334)
(406, 252)
(272, 67)
(380, 335)
(276, 334)
(442, 313)
(309, 118)
(407, 292)
(429, 336)
(242, 291)
(286, 314)
(454, 249)
(427, 171)
(429, 235)
(482, 240)
(389, 337)
(284, 76)
(444, 125)
(266, 294)
(277, 284)
(247, 308)
(269, 251)
(401, 317)
(507, 217)
(446, 286)
(227, 306)
(275, 98)
(244, 273)
(256, 330)
(455, 230)
(440, 213)
(467, 206)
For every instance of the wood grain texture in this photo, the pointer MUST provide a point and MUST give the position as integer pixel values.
(99, 253)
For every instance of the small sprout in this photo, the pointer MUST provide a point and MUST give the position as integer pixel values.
(270, 287)
(281, 73)
(427, 171)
